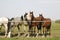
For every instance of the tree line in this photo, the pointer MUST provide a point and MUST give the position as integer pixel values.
(57, 21)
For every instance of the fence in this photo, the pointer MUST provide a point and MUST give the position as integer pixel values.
(25, 21)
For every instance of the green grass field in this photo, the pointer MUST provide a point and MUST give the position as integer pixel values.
(55, 34)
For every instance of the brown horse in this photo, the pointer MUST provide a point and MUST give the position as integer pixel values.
(46, 25)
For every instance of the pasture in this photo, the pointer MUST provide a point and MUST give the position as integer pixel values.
(55, 34)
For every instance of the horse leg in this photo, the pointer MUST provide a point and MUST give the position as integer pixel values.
(0, 27)
(34, 31)
(48, 30)
(37, 30)
(43, 33)
(37, 33)
(18, 30)
(9, 31)
(24, 28)
(29, 30)
(6, 28)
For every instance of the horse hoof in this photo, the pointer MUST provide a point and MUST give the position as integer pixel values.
(27, 36)
(47, 36)
(33, 37)
(18, 36)
(5, 37)
(37, 36)
(8, 37)
(42, 36)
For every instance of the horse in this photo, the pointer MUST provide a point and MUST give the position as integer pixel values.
(25, 23)
(4, 22)
(33, 22)
(46, 26)
(15, 21)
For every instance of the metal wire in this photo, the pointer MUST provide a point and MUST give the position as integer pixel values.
(25, 21)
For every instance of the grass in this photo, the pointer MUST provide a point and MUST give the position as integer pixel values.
(55, 34)
(24, 38)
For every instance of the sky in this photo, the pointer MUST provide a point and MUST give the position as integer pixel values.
(13, 8)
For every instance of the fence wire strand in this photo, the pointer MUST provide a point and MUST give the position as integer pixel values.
(24, 21)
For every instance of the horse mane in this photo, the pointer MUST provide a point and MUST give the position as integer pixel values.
(25, 14)
(11, 19)
(22, 18)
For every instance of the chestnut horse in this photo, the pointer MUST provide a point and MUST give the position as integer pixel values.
(46, 25)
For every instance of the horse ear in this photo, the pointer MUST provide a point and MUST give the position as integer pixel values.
(40, 14)
(31, 12)
(25, 14)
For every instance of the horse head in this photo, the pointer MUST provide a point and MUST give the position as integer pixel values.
(22, 18)
(41, 17)
(30, 16)
(25, 16)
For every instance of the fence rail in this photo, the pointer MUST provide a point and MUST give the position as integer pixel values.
(25, 21)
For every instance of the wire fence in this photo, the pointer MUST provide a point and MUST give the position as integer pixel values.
(26, 21)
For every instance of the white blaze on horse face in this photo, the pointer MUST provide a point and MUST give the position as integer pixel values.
(28, 17)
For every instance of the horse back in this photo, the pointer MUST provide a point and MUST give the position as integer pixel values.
(36, 21)
(46, 22)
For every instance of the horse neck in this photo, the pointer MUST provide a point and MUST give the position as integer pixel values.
(25, 19)
(22, 19)
(32, 17)
(42, 18)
